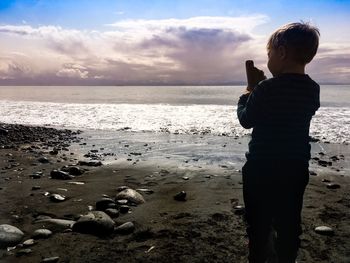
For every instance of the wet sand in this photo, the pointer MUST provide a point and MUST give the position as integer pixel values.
(204, 228)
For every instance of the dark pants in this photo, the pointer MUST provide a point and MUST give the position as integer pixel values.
(273, 195)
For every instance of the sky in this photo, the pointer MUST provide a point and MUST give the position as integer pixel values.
(160, 42)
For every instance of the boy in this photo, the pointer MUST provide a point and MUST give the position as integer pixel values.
(279, 110)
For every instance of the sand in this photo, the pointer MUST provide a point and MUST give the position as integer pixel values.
(204, 228)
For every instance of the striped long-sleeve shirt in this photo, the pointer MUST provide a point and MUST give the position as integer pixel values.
(280, 110)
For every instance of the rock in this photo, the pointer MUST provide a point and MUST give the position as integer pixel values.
(90, 163)
(50, 260)
(333, 186)
(124, 209)
(239, 210)
(312, 173)
(324, 230)
(9, 235)
(185, 178)
(28, 242)
(41, 233)
(24, 251)
(112, 212)
(96, 223)
(145, 190)
(104, 203)
(56, 225)
(73, 170)
(131, 195)
(181, 196)
(43, 160)
(57, 198)
(36, 187)
(122, 202)
(121, 188)
(61, 175)
(76, 183)
(125, 228)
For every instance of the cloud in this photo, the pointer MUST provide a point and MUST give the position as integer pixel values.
(198, 50)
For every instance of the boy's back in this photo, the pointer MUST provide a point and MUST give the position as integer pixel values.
(280, 110)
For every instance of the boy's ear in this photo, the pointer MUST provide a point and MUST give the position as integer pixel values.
(282, 52)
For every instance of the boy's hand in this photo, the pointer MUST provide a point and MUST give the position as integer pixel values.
(254, 75)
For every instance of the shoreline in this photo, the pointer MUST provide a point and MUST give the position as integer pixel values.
(204, 228)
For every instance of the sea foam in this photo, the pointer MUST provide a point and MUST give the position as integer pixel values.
(330, 123)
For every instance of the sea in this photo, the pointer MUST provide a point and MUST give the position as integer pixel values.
(157, 109)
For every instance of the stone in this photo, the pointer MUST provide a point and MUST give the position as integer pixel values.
(9, 235)
(312, 173)
(57, 198)
(61, 175)
(145, 190)
(90, 163)
(104, 203)
(112, 212)
(333, 186)
(41, 233)
(185, 178)
(76, 183)
(121, 188)
(73, 170)
(324, 230)
(181, 196)
(56, 225)
(131, 195)
(24, 251)
(96, 223)
(43, 160)
(28, 242)
(122, 202)
(125, 228)
(239, 210)
(50, 260)
(124, 209)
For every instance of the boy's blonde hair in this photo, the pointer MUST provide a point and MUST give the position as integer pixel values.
(300, 39)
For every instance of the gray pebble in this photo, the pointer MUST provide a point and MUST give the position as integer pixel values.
(9, 235)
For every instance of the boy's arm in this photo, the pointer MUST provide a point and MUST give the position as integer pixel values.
(250, 107)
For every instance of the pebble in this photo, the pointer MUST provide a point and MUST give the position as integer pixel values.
(90, 163)
(43, 160)
(112, 212)
(181, 196)
(333, 186)
(50, 260)
(104, 203)
(324, 230)
(61, 175)
(9, 235)
(95, 222)
(76, 183)
(125, 228)
(24, 251)
(41, 233)
(145, 190)
(57, 198)
(124, 209)
(239, 210)
(73, 170)
(131, 195)
(56, 224)
(28, 242)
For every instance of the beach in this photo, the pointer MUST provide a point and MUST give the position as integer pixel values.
(207, 225)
